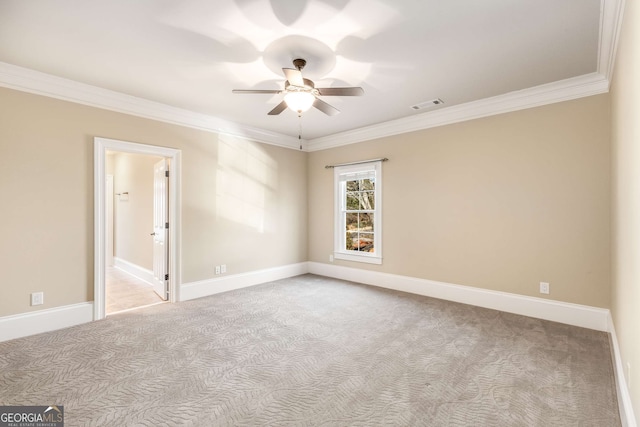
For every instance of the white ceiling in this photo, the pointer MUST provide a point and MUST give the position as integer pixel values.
(190, 54)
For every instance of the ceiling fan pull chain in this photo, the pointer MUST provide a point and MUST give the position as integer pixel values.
(300, 129)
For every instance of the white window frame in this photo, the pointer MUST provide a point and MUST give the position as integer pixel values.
(340, 251)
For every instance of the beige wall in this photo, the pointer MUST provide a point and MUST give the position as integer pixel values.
(133, 213)
(499, 203)
(625, 123)
(254, 221)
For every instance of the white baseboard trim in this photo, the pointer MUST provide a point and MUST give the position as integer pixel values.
(134, 270)
(36, 322)
(627, 417)
(556, 311)
(217, 285)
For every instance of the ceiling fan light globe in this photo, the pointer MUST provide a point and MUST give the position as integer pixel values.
(299, 101)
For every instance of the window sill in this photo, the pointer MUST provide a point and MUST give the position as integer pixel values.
(358, 258)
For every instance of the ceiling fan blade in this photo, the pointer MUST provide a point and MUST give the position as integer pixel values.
(341, 91)
(293, 76)
(278, 109)
(329, 110)
(255, 91)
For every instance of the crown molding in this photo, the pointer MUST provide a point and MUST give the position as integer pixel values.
(563, 90)
(31, 81)
(611, 14)
(27, 80)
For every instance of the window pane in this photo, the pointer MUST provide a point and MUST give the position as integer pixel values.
(353, 201)
(367, 184)
(364, 243)
(349, 241)
(367, 201)
(352, 186)
(351, 222)
(366, 222)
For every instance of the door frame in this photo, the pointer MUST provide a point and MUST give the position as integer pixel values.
(109, 194)
(100, 148)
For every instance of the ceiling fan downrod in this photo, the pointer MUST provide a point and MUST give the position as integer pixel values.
(299, 63)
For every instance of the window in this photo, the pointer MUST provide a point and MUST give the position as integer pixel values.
(358, 213)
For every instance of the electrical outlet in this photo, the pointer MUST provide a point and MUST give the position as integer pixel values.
(37, 298)
(544, 288)
(330, 258)
(223, 268)
(217, 269)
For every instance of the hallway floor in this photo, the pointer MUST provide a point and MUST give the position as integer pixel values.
(125, 291)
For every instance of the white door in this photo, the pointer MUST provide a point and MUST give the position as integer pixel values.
(161, 228)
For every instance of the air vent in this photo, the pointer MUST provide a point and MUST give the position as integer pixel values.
(428, 104)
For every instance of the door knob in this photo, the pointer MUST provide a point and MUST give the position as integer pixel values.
(153, 234)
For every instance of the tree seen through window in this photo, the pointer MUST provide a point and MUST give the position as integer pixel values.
(359, 220)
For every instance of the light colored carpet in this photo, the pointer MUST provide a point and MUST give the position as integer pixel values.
(311, 351)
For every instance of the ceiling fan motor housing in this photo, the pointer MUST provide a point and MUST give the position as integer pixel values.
(309, 86)
(301, 94)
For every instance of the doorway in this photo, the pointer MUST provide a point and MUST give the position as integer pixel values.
(136, 232)
(167, 283)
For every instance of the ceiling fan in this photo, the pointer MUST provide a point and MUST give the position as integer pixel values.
(301, 94)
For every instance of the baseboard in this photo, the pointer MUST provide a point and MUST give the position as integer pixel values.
(627, 417)
(562, 312)
(217, 285)
(36, 322)
(134, 270)
(47, 320)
